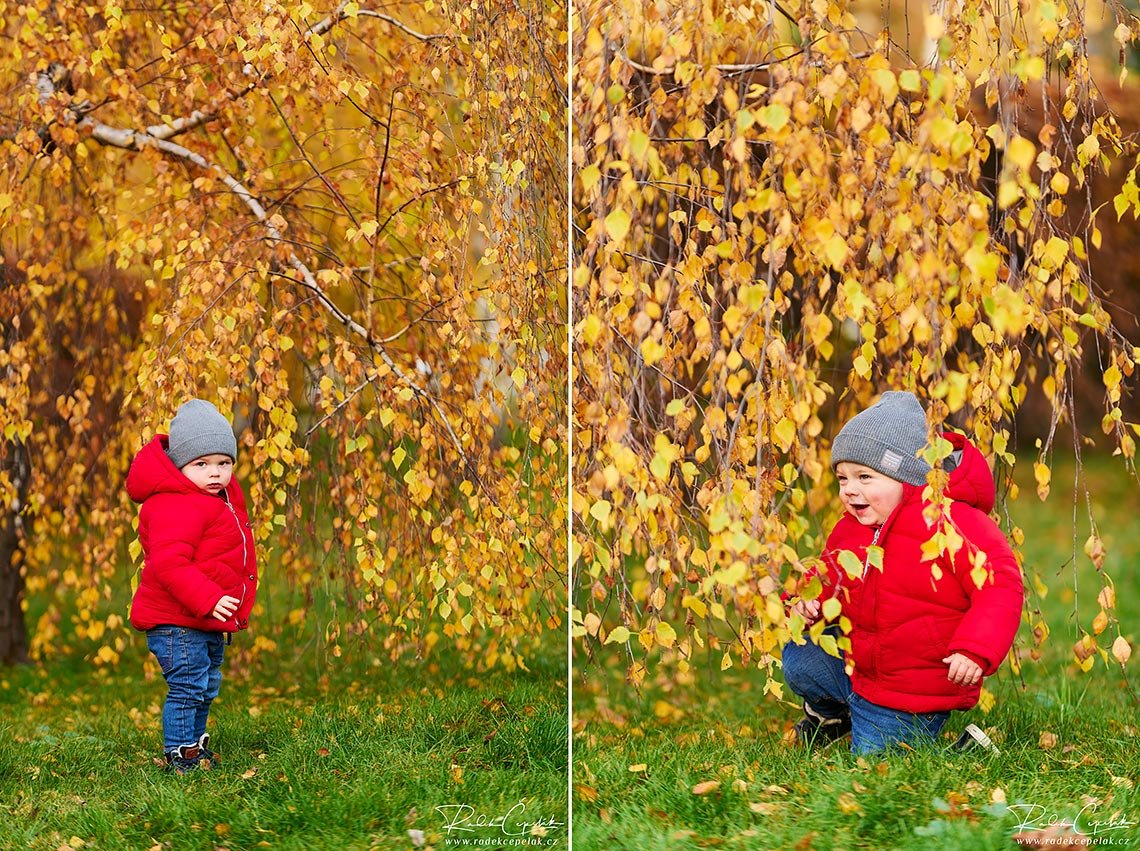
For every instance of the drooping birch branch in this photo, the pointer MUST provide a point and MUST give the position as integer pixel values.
(134, 140)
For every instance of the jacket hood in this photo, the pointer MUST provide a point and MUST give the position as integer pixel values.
(970, 482)
(153, 472)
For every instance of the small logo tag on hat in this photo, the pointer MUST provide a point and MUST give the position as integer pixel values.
(892, 460)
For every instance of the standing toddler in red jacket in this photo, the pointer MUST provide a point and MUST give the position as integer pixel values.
(199, 576)
(923, 633)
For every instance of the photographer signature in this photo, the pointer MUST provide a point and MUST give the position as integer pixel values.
(463, 817)
(1037, 817)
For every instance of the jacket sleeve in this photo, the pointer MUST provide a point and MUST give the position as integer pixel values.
(986, 632)
(171, 542)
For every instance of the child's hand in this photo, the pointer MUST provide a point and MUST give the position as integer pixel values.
(807, 609)
(964, 671)
(224, 609)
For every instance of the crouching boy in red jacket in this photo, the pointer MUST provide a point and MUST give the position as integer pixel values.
(199, 577)
(923, 633)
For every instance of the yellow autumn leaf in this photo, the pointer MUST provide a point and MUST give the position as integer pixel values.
(1054, 253)
(785, 433)
(1100, 622)
(617, 224)
(884, 79)
(589, 176)
(774, 116)
(695, 605)
(1020, 152)
(909, 80)
(836, 251)
(1042, 474)
(618, 635)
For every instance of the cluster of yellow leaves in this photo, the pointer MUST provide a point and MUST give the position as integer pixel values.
(777, 221)
(352, 240)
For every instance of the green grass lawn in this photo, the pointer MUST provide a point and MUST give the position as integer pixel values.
(712, 765)
(357, 754)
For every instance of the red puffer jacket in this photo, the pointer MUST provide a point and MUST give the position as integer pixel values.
(904, 621)
(197, 547)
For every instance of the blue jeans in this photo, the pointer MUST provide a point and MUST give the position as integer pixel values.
(191, 662)
(821, 681)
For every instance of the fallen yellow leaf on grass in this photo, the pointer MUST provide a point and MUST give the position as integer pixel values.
(586, 793)
(848, 805)
(641, 766)
(706, 786)
(666, 711)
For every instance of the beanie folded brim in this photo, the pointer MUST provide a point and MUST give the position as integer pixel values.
(201, 445)
(879, 456)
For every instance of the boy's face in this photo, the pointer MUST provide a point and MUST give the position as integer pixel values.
(867, 494)
(210, 472)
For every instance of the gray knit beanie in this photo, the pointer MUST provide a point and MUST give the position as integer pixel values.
(199, 429)
(886, 437)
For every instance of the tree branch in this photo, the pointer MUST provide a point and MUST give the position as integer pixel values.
(195, 119)
(133, 140)
(323, 26)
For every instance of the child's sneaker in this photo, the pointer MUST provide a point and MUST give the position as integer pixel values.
(204, 749)
(815, 728)
(973, 738)
(185, 759)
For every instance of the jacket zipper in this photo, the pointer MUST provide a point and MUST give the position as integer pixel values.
(237, 520)
(874, 543)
